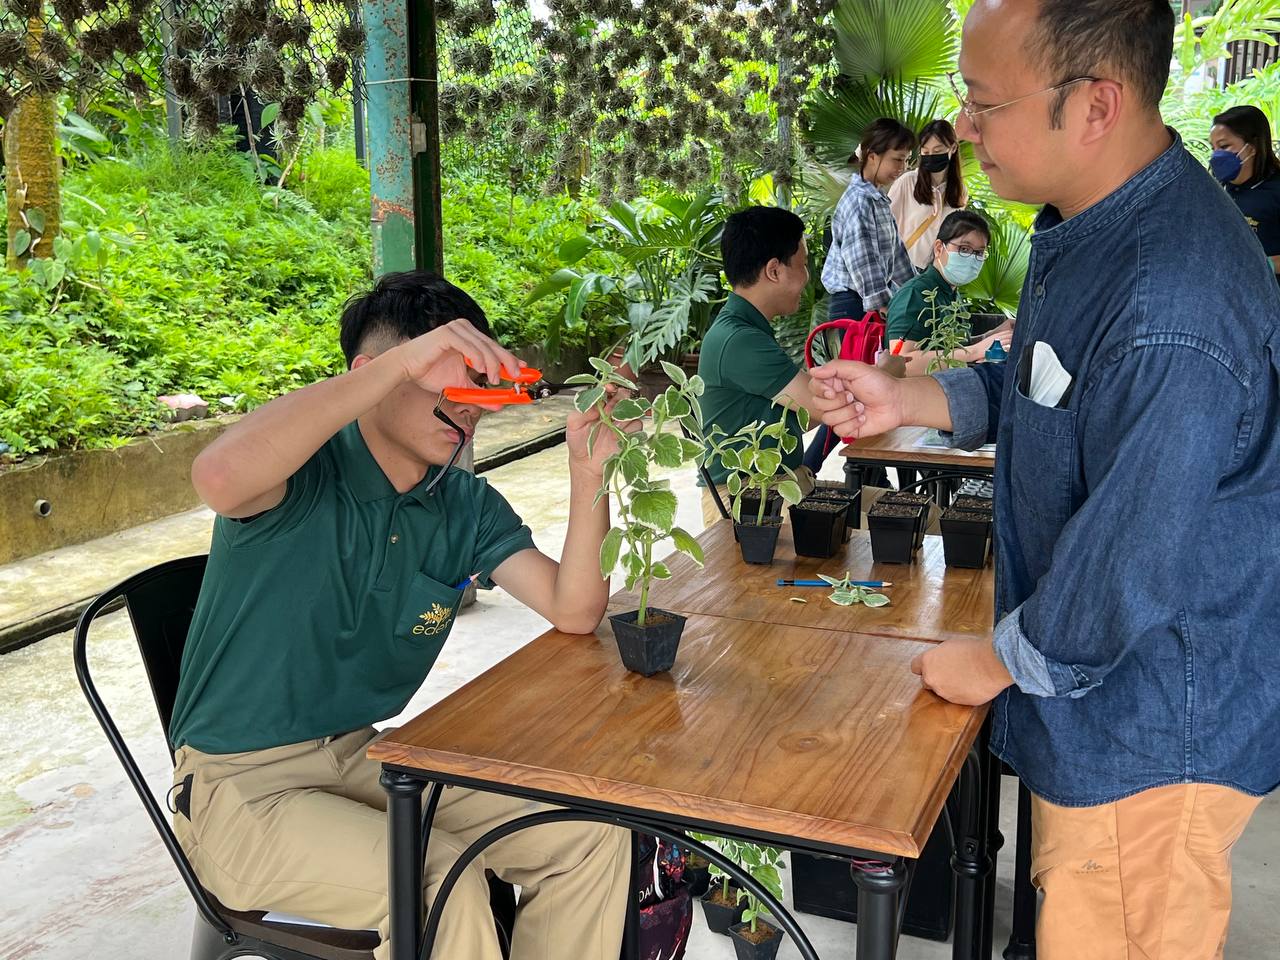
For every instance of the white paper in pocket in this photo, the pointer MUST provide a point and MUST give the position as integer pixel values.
(1049, 381)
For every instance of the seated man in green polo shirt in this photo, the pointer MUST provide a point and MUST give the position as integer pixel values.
(746, 371)
(339, 553)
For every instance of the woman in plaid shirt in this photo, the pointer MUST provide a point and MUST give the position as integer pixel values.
(866, 261)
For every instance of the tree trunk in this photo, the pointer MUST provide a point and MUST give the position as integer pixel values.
(32, 169)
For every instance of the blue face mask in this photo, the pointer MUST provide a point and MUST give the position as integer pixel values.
(1225, 165)
(961, 268)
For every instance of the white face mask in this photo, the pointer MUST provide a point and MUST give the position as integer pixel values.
(960, 268)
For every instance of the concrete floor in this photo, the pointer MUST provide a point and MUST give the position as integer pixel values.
(82, 873)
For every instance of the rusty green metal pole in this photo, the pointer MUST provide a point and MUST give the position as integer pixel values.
(403, 144)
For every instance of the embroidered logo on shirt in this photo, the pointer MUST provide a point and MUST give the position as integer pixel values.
(1253, 223)
(434, 621)
(1092, 866)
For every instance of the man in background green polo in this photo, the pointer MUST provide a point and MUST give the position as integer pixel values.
(341, 550)
(746, 371)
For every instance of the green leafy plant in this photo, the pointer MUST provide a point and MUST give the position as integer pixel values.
(665, 278)
(764, 864)
(845, 593)
(646, 504)
(754, 455)
(949, 330)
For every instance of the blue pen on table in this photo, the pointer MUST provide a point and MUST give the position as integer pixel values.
(878, 584)
(467, 582)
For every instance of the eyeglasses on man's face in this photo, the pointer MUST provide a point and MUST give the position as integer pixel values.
(973, 109)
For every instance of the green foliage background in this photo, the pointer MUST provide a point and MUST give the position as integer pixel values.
(180, 271)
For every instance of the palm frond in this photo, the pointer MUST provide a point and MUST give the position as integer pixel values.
(834, 123)
(1005, 271)
(900, 39)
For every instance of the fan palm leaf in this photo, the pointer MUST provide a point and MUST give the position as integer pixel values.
(895, 39)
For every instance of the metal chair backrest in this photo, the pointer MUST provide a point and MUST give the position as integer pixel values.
(160, 602)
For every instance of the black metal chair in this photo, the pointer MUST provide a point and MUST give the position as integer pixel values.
(160, 602)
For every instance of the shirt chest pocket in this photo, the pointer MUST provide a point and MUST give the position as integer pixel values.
(1043, 474)
(421, 627)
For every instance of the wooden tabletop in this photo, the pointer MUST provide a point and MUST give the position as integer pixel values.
(823, 737)
(899, 446)
(930, 601)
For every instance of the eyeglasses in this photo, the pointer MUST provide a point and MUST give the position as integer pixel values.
(966, 250)
(973, 110)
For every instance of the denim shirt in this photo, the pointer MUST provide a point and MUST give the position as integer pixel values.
(1136, 532)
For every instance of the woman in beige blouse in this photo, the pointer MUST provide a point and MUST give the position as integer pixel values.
(922, 198)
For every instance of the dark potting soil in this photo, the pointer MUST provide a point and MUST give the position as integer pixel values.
(908, 496)
(822, 506)
(976, 516)
(886, 509)
(768, 521)
(653, 618)
(718, 897)
(763, 932)
(980, 504)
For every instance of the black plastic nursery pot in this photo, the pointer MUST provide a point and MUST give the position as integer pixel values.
(758, 541)
(830, 490)
(913, 498)
(965, 535)
(721, 916)
(751, 506)
(976, 504)
(697, 874)
(652, 648)
(894, 528)
(762, 945)
(818, 527)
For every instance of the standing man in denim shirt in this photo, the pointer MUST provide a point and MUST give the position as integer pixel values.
(1135, 664)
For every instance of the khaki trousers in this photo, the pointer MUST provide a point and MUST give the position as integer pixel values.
(1144, 878)
(302, 829)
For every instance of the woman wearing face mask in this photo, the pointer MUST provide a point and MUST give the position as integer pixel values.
(922, 198)
(1245, 161)
(866, 261)
(959, 253)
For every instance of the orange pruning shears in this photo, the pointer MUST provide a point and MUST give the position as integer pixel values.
(523, 390)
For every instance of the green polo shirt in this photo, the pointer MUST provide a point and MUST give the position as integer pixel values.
(325, 614)
(909, 311)
(744, 369)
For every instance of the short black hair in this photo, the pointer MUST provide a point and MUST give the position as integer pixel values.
(1126, 40)
(960, 222)
(402, 306)
(754, 236)
(1251, 125)
(881, 136)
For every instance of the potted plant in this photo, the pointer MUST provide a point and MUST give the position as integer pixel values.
(647, 638)
(722, 903)
(818, 526)
(753, 456)
(753, 939)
